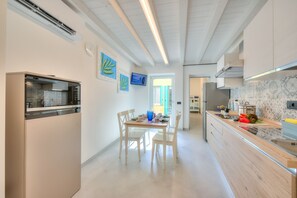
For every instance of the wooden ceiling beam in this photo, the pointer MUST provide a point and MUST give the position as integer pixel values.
(101, 29)
(209, 32)
(117, 8)
(253, 9)
(183, 12)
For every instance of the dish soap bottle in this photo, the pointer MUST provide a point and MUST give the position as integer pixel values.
(230, 105)
(236, 105)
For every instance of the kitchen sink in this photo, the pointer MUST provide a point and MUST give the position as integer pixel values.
(227, 117)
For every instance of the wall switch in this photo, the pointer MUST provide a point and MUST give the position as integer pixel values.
(292, 104)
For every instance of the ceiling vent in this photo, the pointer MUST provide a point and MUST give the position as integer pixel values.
(32, 11)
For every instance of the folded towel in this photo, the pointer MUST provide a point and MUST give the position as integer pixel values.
(291, 120)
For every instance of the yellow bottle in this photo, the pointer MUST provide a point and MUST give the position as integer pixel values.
(291, 120)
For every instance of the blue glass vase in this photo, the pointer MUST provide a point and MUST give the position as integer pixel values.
(150, 115)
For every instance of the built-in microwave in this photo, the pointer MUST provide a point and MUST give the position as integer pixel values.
(50, 97)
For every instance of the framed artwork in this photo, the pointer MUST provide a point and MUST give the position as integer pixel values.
(124, 83)
(107, 67)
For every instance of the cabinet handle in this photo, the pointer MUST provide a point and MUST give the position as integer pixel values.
(214, 127)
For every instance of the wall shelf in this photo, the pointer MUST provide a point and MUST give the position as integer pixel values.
(194, 104)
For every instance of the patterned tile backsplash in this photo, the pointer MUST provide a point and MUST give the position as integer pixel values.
(270, 97)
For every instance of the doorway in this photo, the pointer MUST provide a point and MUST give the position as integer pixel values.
(162, 95)
(196, 101)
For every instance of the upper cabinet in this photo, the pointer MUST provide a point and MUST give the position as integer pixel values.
(231, 65)
(258, 43)
(285, 32)
(270, 40)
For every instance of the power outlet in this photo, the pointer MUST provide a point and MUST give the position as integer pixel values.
(292, 104)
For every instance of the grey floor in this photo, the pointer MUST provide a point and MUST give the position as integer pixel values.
(195, 175)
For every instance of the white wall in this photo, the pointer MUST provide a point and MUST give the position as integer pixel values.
(2, 96)
(194, 71)
(140, 101)
(182, 86)
(32, 48)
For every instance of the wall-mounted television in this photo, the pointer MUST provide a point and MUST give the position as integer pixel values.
(138, 79)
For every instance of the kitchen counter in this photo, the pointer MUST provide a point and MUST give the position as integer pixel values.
(263, 140)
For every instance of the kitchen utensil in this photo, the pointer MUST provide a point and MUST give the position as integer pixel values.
(246, 108)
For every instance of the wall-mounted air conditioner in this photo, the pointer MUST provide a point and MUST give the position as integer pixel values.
(34, 12)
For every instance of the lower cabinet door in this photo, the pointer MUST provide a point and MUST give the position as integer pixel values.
(252, 174)
(52, 152)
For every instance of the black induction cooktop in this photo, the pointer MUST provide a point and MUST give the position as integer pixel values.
(264, 132)
(274, 136)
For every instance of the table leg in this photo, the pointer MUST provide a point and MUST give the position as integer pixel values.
(126, 143)
(164, 147)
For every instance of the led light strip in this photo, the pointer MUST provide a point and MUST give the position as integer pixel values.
(152, 23)
(260, 75)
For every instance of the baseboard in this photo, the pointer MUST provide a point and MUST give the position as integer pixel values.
(99, 153)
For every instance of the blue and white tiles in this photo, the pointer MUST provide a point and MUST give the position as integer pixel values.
(270, 97)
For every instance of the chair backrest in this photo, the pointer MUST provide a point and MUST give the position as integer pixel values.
(131, 113)
(177, 119)
(122, 118)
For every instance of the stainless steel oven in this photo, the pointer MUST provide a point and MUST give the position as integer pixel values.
(46, 97)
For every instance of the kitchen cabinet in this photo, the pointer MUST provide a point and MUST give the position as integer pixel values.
(249, 172)
(43, 147)
(258, 43)
(214, 137)
(285, 29)
(229, 83)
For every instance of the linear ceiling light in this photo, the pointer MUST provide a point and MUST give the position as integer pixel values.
(152, 23)
(115, 5)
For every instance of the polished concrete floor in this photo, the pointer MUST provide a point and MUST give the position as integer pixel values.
(195, 175)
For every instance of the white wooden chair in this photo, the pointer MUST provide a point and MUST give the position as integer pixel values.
(170, 130)
(130, 116)
(171, 140)
(134, 135)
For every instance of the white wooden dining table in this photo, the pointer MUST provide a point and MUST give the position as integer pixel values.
(146, 124)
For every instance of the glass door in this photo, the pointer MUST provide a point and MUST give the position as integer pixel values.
(161, 95)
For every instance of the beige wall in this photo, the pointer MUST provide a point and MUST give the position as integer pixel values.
(2, 95)
(195, 87)
(33, 48)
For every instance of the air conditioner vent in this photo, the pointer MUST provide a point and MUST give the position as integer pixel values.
(30, 9)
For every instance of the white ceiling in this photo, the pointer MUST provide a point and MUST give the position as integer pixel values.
(193, 31)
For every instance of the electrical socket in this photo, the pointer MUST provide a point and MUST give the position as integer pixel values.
(292, 104)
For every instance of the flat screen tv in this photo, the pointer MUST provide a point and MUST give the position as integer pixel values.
(138, 79)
